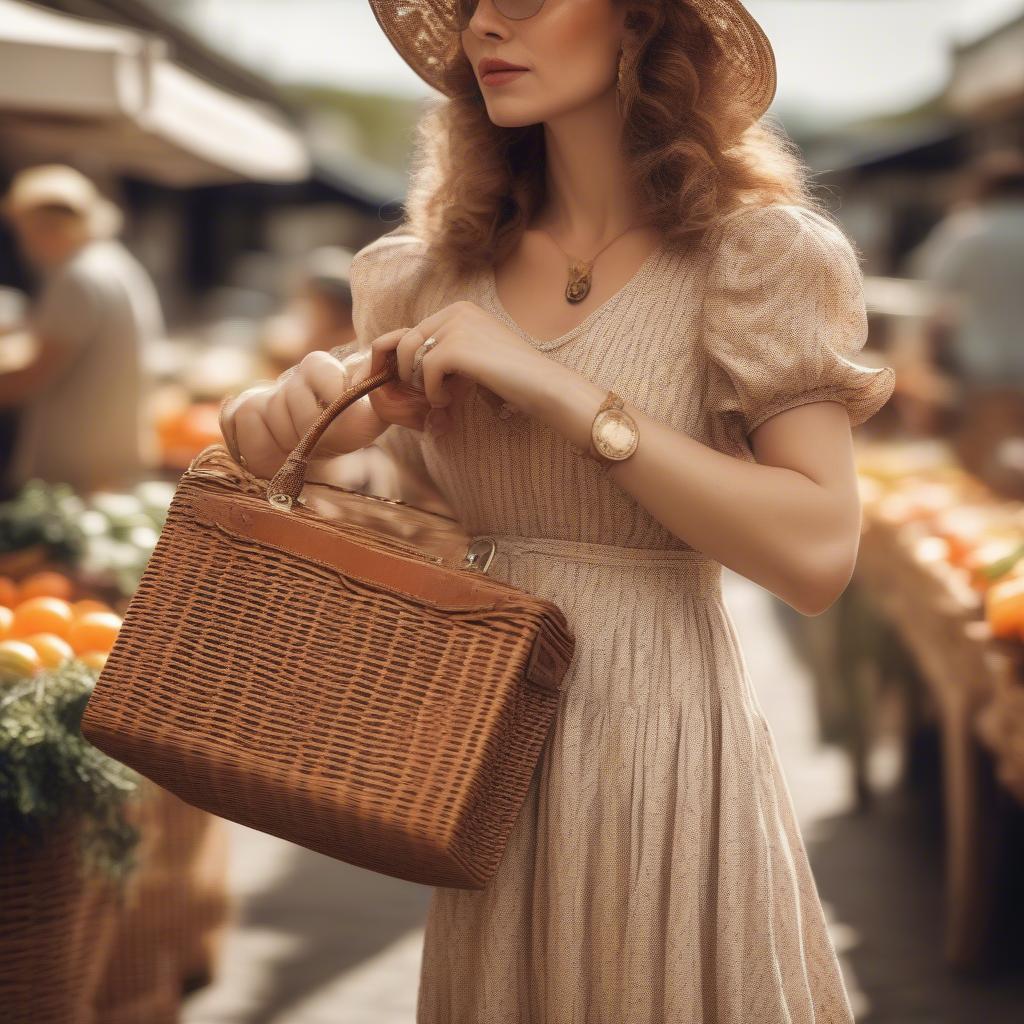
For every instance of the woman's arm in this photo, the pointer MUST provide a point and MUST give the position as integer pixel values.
(790, 522)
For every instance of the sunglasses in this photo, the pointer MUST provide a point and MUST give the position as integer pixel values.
(515, 10)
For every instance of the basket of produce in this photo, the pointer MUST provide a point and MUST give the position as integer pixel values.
(56, 926)
(67, 847)
(169, 935)
(142, 978)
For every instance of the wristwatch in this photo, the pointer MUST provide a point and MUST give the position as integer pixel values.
(614, 434)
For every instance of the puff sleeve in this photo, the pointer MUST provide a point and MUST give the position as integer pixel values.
(784, 316)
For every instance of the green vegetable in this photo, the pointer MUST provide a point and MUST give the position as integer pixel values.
(1003, 565)
(42, 513)
(106, 540)
(47, 769)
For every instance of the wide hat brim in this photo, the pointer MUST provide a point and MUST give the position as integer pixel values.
(418, 32)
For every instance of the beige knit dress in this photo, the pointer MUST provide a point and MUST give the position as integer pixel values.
(656, 873)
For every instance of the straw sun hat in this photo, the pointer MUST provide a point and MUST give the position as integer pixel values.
(418, 31)
(60, 185)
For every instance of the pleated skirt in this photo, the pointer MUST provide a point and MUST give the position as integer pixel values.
(656, 873)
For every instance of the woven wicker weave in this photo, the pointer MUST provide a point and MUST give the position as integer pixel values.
(329, 683)
(175, 911)
(57, 922)
(193, 870)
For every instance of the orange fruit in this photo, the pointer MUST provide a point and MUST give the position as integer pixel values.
(1004, 608)
(46, 583)
(201, 423)
(52, 649)
(17, 660)
(88, 604)
(6, 618)
(41, 615)
(94, 631)
(94, 659)
(8, 592)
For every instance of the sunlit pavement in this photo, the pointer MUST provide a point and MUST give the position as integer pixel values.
(319, 942)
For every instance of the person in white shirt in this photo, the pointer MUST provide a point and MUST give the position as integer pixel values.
(975, 258)
(80, 399)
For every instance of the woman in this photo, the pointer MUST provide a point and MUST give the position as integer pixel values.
(656, 872)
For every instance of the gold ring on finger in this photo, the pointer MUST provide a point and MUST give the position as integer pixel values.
(417, 358)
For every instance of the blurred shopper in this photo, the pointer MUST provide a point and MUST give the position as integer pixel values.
(318, 318)
(975, 257)
(81, 397)
(318, 315)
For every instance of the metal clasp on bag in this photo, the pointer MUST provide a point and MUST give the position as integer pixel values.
(285, 501)
(479, 554)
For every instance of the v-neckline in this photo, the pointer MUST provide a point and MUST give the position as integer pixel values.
(491, 292)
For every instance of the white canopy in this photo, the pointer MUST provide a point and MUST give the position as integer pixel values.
(112, 96)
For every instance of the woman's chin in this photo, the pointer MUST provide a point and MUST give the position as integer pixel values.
(509, 114)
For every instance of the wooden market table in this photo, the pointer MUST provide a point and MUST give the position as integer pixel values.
(975, 685)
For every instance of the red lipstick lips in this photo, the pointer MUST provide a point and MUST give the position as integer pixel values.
(494, 71)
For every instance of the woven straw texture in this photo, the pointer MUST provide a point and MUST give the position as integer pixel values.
(657, 874)
(265, 674)
(418, 32)
(57, 923)
(140, 982)
(191, 871)
(175, 912)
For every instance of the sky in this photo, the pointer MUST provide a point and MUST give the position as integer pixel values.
(837, 59)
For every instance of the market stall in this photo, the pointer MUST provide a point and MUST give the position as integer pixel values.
(68, 85)
(936, 611)
(113, 895)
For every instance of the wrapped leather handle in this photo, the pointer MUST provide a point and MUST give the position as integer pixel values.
(288, 481)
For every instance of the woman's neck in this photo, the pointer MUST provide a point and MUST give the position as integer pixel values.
(589, 197)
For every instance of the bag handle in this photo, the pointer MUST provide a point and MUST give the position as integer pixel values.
(288, 481)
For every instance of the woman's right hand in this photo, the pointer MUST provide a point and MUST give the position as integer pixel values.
(268, 420)
(396, 401)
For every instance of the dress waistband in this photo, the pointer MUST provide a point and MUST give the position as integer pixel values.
(603, 554)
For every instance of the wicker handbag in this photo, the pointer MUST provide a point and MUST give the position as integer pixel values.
(349, 679)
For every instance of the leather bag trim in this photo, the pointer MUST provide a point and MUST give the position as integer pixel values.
(435, 585)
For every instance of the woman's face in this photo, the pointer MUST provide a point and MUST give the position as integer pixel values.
(570, 50)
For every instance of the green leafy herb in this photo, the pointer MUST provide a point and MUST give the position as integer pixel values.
(1003, 565)
(47, 769)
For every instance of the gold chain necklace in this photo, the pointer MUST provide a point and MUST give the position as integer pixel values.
(578, 286)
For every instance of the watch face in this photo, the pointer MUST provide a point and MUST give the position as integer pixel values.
(615, 434)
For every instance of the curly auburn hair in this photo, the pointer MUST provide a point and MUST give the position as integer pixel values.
(474, 186)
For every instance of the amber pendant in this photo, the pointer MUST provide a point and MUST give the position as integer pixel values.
(579, 281)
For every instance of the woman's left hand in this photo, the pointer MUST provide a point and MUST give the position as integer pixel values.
(473, 348)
